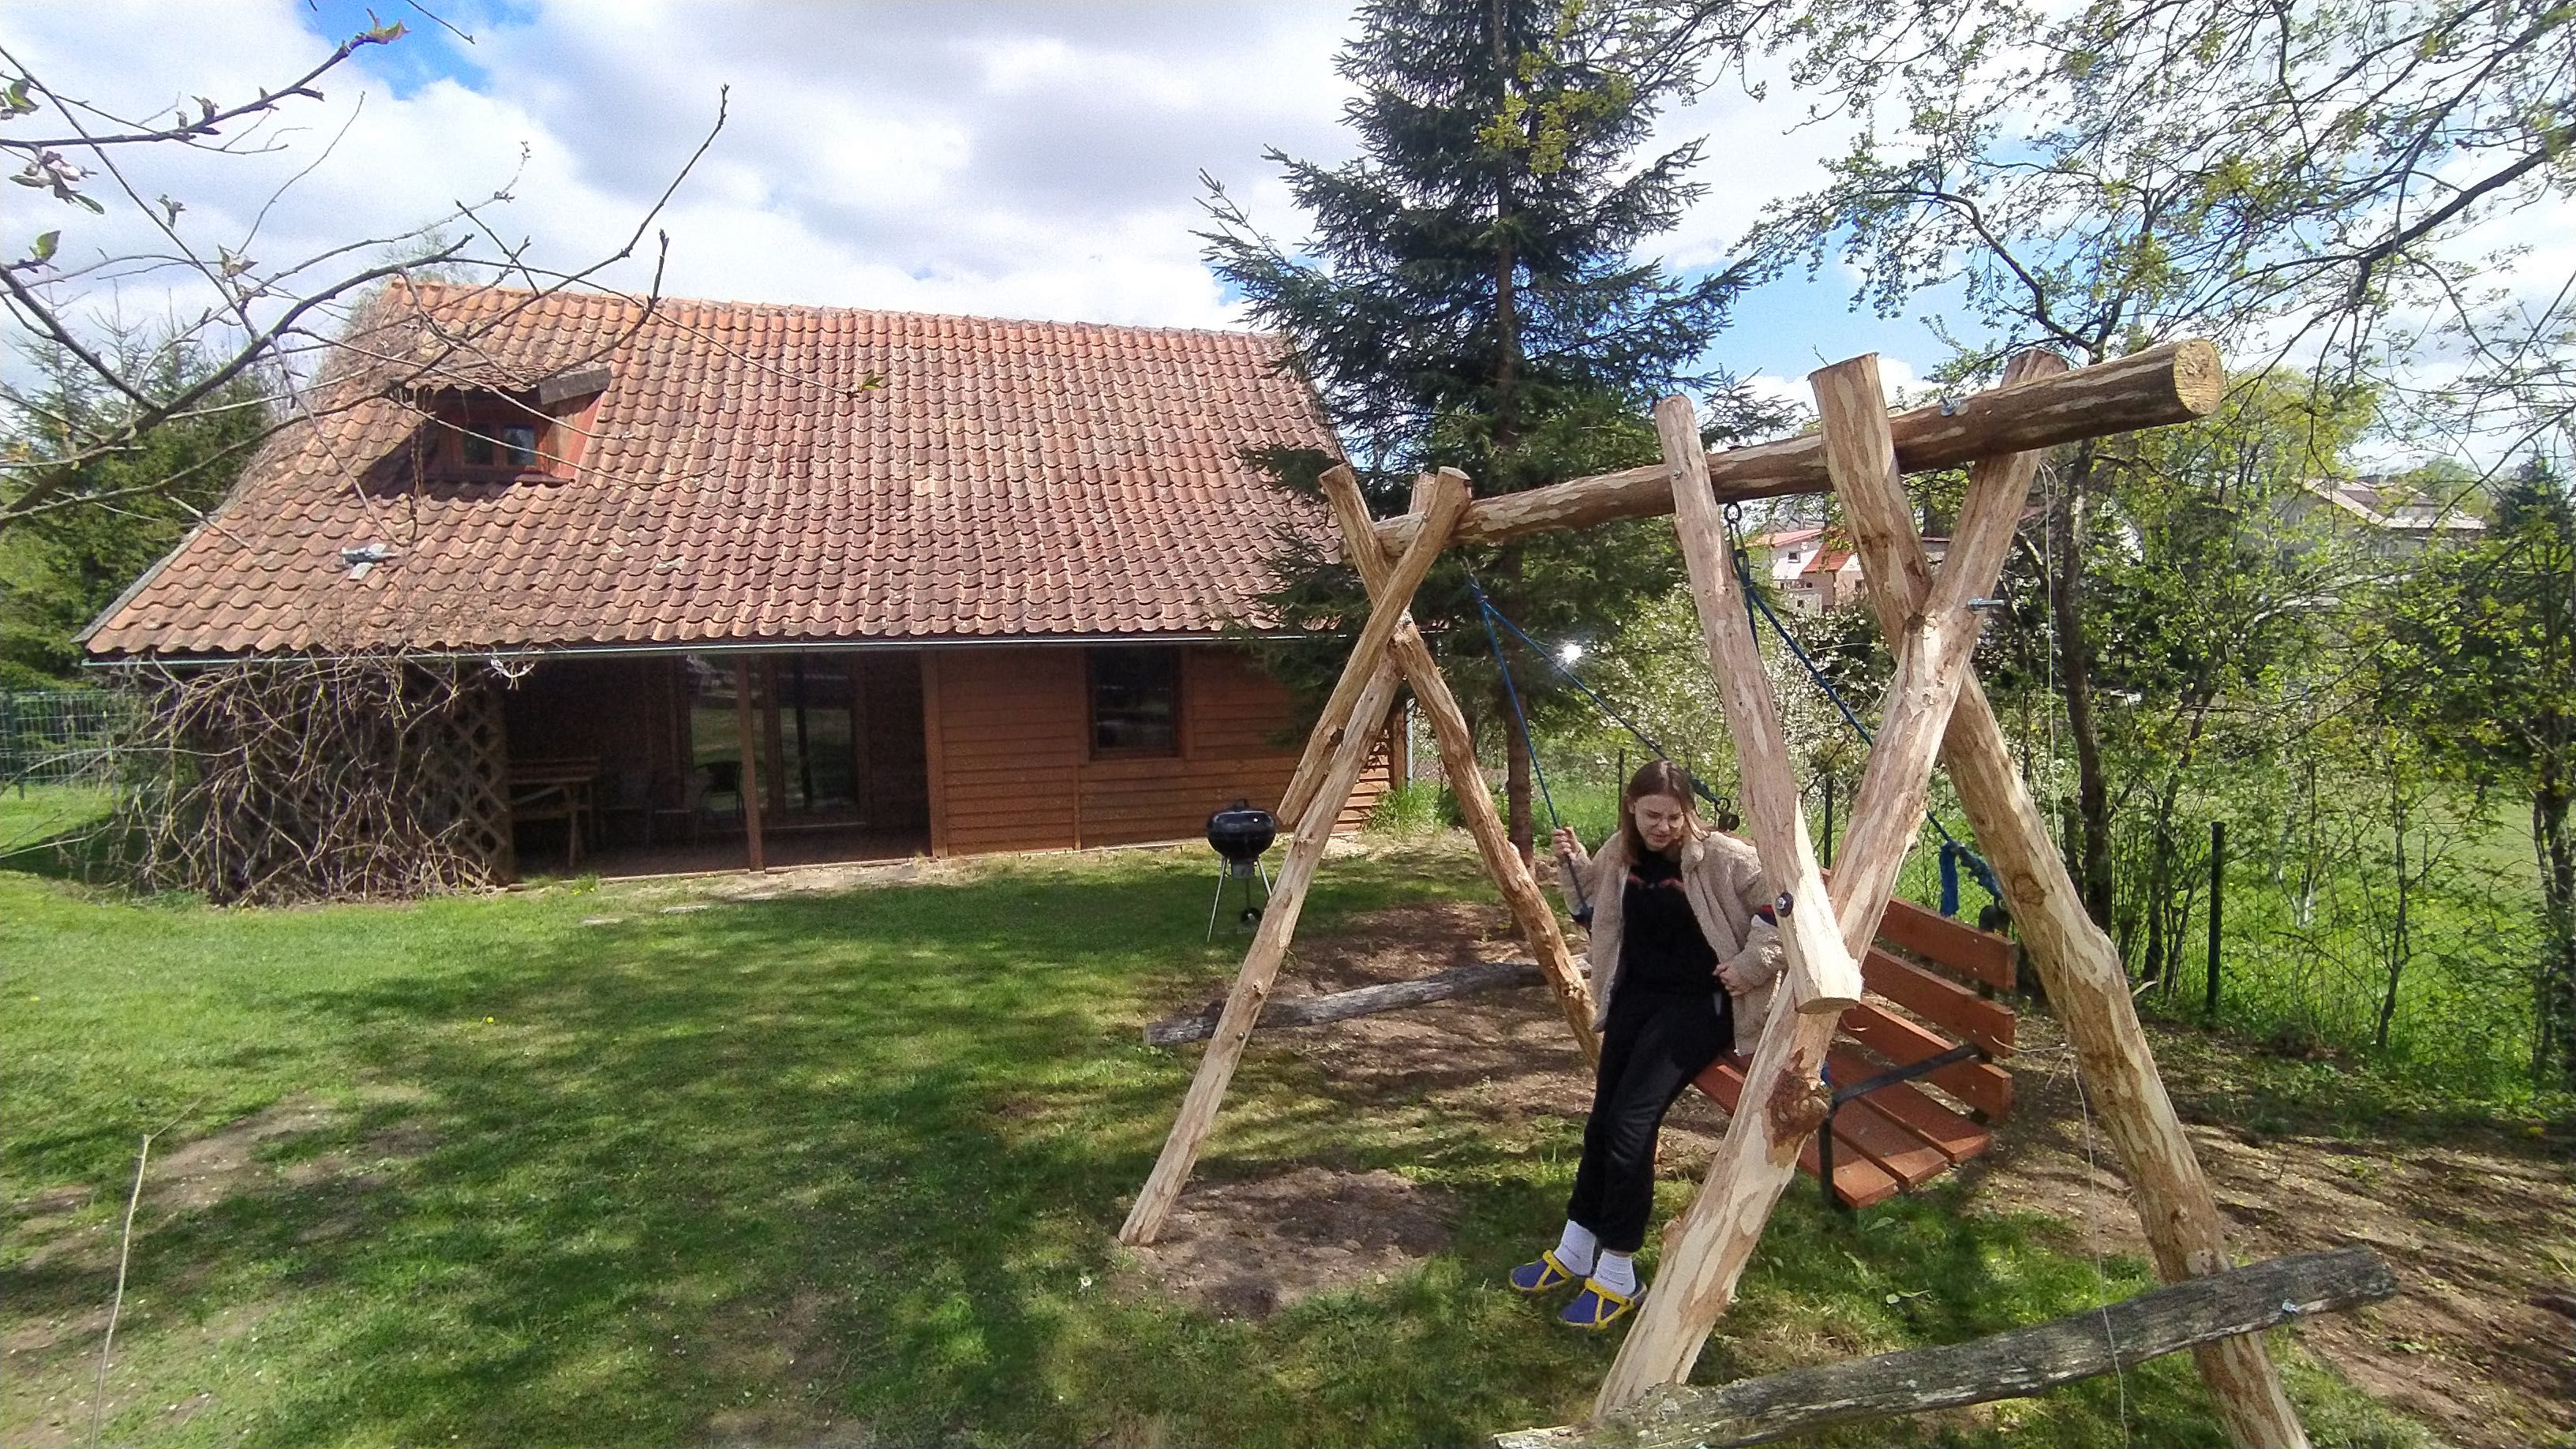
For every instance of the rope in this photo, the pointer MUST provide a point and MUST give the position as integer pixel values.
(1512, 692)
(1952, 849)
(1494, 615)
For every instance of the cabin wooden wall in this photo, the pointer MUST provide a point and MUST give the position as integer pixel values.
(1010, 767)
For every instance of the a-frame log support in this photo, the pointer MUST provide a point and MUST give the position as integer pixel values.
(1933, 701)
(1520, 890)
(1707, 1248)
(2078, 967)
(1341, 744)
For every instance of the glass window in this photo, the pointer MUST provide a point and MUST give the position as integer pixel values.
(478, 452)
(519, 445)
(1135, 701)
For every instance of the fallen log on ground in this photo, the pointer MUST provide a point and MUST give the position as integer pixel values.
(1363, 1001)
(2000, 1366)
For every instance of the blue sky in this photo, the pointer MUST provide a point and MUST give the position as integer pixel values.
(1011, 160)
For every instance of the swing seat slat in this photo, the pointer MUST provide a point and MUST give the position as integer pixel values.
(1896, 1136)
(1955, 1137)
(1938, 998)
(1857, 1180)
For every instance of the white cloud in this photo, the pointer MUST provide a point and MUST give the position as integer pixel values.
(1035, 161)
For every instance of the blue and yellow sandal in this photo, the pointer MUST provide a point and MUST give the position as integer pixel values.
(1544, 1276)
(1596, 1307)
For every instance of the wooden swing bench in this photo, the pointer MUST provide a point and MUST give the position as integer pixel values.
(1949, 1034)
(1950, 1031)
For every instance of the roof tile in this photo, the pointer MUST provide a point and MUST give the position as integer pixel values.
(1006, 478)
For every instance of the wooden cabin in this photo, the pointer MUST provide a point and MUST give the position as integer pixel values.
(784, 583)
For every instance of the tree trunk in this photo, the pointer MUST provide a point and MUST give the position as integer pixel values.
(2554, 1043)
(2075, 667)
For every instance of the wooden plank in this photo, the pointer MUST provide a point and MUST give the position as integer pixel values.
(1941, 1001)
(1979, 955)
(1261, 963)
(934, 753)
(2174, 383)
(1899, 1150)
(2009, 1365)
(1981, 1085)
(1955, 1136)
(1360, 1001)
(1858, 1181)
(2088, 989)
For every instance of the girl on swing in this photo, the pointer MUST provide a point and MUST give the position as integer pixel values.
(1684, 956)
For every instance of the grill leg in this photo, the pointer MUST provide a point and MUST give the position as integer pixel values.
(1216, 905)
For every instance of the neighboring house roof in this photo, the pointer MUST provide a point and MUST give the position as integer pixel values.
(2368, 499)
(1784, 538)
(1006, 479)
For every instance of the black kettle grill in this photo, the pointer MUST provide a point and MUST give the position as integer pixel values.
(1239, 834)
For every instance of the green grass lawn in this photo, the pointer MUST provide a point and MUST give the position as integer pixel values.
(814, 1167)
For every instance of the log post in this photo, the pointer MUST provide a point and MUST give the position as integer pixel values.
(1707, 1249)
(1261, 964)
(1933, 646)
(1511, 874)
(1784, 1098)
(2085, 984)
(747, 774)
(1439, 516)
(2009, 1365)
(2174, 383)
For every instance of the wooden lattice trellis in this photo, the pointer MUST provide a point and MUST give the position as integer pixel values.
(269, 781)
(1934, 710)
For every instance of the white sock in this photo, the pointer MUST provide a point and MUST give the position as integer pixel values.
(1576, 1247)
(1617, 1272)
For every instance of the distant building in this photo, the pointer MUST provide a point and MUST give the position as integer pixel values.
(1815, 569)
(2385, 516)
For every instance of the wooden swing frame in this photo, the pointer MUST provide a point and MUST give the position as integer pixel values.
(1934, 711)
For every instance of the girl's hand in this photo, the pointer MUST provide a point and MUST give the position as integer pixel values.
(1566, 845)
(1728, 977)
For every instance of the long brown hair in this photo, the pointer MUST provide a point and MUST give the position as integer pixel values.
(1657, 777)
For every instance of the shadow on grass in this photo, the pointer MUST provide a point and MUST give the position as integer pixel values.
(802, 1167)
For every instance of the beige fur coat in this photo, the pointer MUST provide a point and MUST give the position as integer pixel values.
(1722, 879)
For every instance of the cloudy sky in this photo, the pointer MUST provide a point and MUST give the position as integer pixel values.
(1033, 160)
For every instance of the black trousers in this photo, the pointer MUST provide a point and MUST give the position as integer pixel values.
(1651, 1048)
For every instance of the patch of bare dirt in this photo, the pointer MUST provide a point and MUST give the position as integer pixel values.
(1249, 1249)
(1503, 1056)
(2480, 1228)
(2470, 1225)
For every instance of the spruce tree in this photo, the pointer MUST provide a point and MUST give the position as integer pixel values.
(1471, 295)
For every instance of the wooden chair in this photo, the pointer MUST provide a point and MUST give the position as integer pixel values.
(1930, 1019)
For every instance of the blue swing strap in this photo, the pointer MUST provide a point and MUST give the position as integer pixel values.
(1953, 852)
(1529, 742)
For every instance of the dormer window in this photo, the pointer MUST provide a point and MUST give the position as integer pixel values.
(493, 434)
(511, 445)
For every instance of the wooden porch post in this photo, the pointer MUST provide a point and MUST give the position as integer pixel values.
(746, 726)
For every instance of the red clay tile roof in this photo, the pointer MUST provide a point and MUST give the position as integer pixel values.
(1007, 479)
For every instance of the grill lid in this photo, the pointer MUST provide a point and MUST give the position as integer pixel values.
(1240, 833)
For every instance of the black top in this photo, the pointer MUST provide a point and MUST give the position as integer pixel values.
(1661, 947)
